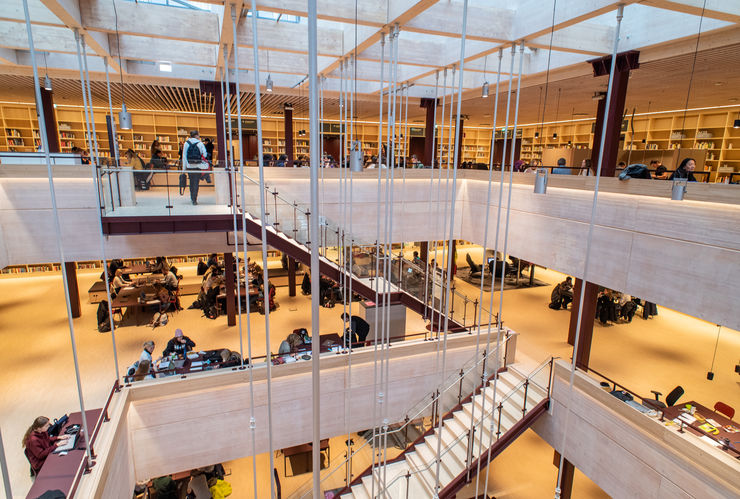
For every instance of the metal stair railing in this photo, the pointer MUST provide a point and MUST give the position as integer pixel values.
(469, 436)
(473, 374)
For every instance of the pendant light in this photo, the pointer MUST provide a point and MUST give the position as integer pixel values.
(124, 117)
(484, 90)
(47, 80)
(710, 373)
(268, 83)
(736, 124)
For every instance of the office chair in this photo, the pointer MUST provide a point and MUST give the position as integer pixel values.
(33, 472)
(724, 409)
(475, 270)
(670, 400)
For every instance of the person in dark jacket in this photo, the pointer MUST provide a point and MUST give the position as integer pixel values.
(358, 328)
(685, 170)
(179, 345)
(39, 444)
(562, 295)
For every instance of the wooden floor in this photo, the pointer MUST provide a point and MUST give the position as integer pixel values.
(38, 376)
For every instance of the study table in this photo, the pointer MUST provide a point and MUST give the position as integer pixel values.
(304, 449)
(726, 433)
(59, 471)
(130, 298)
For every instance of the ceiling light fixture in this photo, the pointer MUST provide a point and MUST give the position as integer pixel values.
(47, 80)
(268, 83)
(165, 67)
(124, 117)
(484, 90)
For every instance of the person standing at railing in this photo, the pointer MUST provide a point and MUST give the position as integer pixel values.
(194, 163)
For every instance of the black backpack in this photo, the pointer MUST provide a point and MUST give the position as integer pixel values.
(193, 155)
(103, 317)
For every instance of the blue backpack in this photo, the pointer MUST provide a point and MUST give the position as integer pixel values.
(193, 155)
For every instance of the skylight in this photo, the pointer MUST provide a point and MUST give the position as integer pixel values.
(183, 4)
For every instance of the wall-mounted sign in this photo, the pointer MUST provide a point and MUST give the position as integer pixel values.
(332, 128)
(500, 133)
(247, 124)
(416, 131)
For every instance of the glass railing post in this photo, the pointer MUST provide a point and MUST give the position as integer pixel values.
(276, 223)
(459, 392)
(295, 221)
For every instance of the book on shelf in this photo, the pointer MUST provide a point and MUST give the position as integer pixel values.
(12, 132)
(64, 126)
(138, 137)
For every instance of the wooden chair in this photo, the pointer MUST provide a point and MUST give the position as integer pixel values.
(724, 409)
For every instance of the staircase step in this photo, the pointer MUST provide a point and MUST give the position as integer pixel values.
(428, 453)
(457, 453)
(428, 472)
(358, 491)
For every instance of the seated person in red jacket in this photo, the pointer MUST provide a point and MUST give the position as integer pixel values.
(39, 444)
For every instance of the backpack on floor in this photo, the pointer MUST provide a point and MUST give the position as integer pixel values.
(103, 317)
(160, 319)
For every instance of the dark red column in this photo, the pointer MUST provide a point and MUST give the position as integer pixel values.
(460, 142)
(611, 112)
(47, 99)
(73, 290)
(430, 105)
(582, 351)
(566, 477)
(214, 87)
(291, 275)
(424, 250)
(288, 127)
(229, 281)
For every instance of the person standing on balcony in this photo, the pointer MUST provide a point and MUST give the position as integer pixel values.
(194, 162)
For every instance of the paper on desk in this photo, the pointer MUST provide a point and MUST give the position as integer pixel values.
(196, 364)
(710, 441)
(687, 418)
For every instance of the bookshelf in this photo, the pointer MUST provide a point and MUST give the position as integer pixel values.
(709, 130)
(51, 268)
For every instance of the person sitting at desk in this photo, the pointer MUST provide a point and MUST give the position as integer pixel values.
(179, 345)
(358, 329)
(212, 260)
(119, 282)
(685, 170)
(163, 295)
(143, 371)
(171, 281)
(561, 169)
(146, 353)
(159, 265)
(39, 444)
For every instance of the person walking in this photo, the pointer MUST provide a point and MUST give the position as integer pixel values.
(194, 162)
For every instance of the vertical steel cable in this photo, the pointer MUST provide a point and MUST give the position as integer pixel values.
(250, 365)
(620, 13)
(115, 151)
(431, 188)
(263, 234)
(315, 274)
(495, 252)
(57, 226)
(483, 270)
(96, 182)
(86, 85)
(78, 40)
(4, 468)
(231, 178)
(376, 395)
(450, 253)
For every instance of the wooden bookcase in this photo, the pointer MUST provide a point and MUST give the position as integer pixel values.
(711, 130)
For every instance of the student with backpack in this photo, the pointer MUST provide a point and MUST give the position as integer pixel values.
(194, 162)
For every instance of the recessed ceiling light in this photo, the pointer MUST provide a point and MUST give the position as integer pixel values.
(733, 99)
(165, 66)
(718, 83)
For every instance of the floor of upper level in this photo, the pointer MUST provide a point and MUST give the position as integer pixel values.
(658, 353)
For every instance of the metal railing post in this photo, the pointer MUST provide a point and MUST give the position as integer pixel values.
(459, 392)
(526, 390)
(498, 426)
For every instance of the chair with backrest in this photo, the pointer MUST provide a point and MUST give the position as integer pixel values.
(33, 471)
(474, 267)
(724, 409)
(670, 399)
